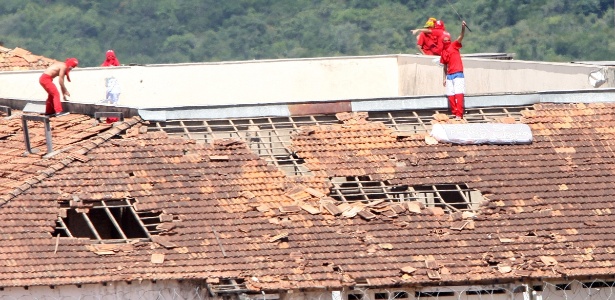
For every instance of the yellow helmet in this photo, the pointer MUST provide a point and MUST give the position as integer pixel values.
(430, 23)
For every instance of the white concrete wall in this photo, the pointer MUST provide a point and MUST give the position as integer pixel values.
(420, 75)
(304, 295)
(299, 80)
(144, 290)
(223, 83)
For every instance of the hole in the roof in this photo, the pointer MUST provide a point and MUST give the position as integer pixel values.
(110, 221)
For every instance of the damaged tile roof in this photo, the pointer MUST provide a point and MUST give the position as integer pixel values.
(19, 59)
(225, 213)
(19, 168)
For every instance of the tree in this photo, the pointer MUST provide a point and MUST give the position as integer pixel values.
(175, 31)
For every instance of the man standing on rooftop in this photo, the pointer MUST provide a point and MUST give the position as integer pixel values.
(454, 80)
(425, 42)
(53, 106)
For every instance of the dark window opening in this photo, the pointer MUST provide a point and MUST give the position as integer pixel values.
(454, 197)
(150, 221)
(487, 292)
(229, 288)
(381, 296)
(355, 296)
(400, 295)
(598, 284)
(450, 197)
(360, 188)
(563, 287)
(433, 294)
(114, 221)
(520, 289)
(537, 288)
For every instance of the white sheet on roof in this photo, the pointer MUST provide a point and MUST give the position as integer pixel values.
(482, 133)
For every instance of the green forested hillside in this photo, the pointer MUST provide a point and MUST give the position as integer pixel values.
(175, 31)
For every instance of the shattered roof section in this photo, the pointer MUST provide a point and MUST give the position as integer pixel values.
(228, 214)
(19, 59)
(20, 169)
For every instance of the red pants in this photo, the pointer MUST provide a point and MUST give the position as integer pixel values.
(455, 102)
(53, 104)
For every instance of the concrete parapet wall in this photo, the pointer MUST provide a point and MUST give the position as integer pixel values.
(421, 75)
(300, 80)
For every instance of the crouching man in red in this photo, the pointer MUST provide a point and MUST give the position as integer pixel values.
(454, 80)
(53, 105)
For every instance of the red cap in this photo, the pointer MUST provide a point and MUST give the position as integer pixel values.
(70, 64)
(439, 25)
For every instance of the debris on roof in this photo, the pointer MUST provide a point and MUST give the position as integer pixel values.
(548, 260)
(157, 258)
(108, 249)
(310, 209)
(352, 117)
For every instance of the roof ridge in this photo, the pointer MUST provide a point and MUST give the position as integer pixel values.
(72, 156)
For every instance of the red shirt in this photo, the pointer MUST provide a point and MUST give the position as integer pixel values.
(452, 58)
(111, 59)
(426, 42)
(436, 35)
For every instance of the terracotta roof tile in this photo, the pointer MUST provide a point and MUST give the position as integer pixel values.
(19, 59)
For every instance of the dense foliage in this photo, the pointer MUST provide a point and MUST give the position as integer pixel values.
(176, 31)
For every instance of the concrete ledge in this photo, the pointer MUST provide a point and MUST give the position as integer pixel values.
(77, 108)
(329, 107)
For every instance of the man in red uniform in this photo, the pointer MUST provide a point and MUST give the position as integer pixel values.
(110, 60)
(454, 80)
(435, 32)
(53, 105)
(438, 31)
(113, 87)
(425, 41)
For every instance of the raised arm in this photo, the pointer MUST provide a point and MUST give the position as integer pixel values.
(463, 31)
(415, 31)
